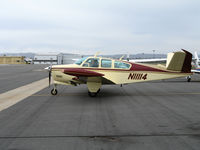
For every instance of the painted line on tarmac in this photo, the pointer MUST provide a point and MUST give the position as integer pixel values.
(12, 97)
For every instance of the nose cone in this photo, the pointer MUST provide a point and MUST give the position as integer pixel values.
(48, 68)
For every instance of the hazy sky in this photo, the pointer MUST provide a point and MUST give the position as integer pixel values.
(108, 26)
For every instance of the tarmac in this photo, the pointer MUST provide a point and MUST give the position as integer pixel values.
(14, 76)
(159, 115)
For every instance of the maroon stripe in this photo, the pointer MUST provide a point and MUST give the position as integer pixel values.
(81, 72)
(97, 69)
(139, 67)
(134, 67)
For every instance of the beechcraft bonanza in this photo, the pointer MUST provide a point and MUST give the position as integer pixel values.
(96, 71)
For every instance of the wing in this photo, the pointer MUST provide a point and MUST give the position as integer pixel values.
(84, 74)
(79, 72)
(196, 71)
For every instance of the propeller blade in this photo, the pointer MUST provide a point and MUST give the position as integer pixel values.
(49, 77)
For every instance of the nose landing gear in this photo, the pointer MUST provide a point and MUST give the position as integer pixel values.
(54, 91)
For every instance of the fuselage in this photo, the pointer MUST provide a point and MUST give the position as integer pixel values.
(111, 71)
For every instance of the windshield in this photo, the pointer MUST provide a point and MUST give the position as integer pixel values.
(79, 62)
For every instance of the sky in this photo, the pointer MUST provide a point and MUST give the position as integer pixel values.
(105, 26)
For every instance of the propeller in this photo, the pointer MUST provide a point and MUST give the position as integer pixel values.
(50, 69)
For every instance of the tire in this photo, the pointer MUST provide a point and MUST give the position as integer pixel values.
(92, 94)
(189, 79)
(54, 92)
(98, 90)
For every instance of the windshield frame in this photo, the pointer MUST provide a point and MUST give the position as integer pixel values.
(80, 61)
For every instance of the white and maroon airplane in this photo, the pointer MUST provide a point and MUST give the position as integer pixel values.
(96, 71)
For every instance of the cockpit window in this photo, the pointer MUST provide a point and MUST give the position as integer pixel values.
(121, 65)
(91, 62)
(106, 63)
(80, 61)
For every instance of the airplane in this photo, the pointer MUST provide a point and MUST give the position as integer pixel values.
(197, 67)
(97, 71)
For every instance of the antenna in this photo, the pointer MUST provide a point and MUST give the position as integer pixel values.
(121, 57)
(97, 53)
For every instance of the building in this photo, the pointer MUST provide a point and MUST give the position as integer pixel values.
(61, 58)
(12, 60)
(45, 59)
(66, 58)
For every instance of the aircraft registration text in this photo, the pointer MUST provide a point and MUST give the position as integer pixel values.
(137, 76)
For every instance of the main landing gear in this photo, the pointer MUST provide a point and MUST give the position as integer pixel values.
(93, 94)
(54, 91)
(188, 78)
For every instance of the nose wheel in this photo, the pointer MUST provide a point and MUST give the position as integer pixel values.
(54, 91)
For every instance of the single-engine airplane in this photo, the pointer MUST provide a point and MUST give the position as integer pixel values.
(96, 71)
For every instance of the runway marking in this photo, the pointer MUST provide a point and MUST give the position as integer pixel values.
(12, 97)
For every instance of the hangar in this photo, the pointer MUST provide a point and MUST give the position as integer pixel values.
(60, 58)
(12, 60)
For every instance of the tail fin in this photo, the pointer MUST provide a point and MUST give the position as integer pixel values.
(196, 60)
(179, 61)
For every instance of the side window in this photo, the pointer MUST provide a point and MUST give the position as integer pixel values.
(121, 65)
(106, 63)
(91, 62)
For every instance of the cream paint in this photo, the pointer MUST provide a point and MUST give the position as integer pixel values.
(94, 84)
(121, 77)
